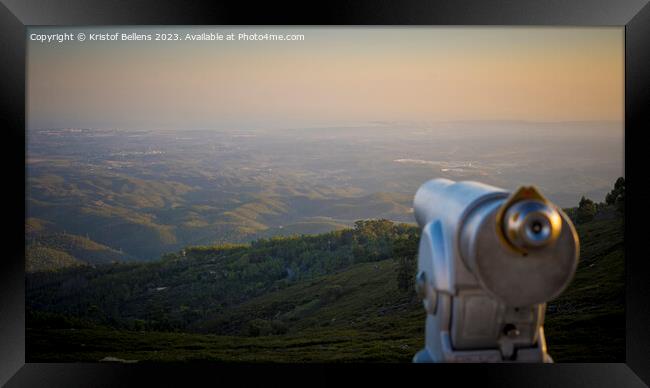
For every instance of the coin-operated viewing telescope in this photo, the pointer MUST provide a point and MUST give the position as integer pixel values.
(488, 262)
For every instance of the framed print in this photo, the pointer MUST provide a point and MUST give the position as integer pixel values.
(217, 191)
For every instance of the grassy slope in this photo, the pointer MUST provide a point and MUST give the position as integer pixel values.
(367, 299)
(370, 321)
(587, 322)
(367, 319)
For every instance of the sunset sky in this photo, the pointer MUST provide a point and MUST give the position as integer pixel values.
(336, 75)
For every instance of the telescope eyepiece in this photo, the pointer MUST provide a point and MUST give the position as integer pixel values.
(531, 224)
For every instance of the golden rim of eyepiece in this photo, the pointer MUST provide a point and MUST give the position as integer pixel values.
(528, 221)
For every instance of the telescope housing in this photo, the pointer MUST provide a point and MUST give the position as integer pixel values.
(488, 262)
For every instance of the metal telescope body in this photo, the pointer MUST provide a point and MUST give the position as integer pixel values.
(488, 262)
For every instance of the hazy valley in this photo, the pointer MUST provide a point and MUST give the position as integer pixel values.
(139, 194)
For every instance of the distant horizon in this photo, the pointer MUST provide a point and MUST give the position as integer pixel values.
(360, 124)
(339, 74)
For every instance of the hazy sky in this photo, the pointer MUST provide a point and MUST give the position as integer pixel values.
(335, 75)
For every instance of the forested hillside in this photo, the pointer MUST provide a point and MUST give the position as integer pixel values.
(200, 283)
(343, 295)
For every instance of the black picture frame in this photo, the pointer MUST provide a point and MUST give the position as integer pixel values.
(16, 15)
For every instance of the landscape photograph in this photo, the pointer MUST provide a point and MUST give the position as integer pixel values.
(251, 200)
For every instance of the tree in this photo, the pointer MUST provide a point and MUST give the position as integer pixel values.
(586, 210)
(620, 202)
(406, 274)
(617, 195)
(372, 240)
(405, 252)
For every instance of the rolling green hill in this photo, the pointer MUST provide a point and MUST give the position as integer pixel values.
(111, 207)
(49, 249)
(39, 258)
(331, 297)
